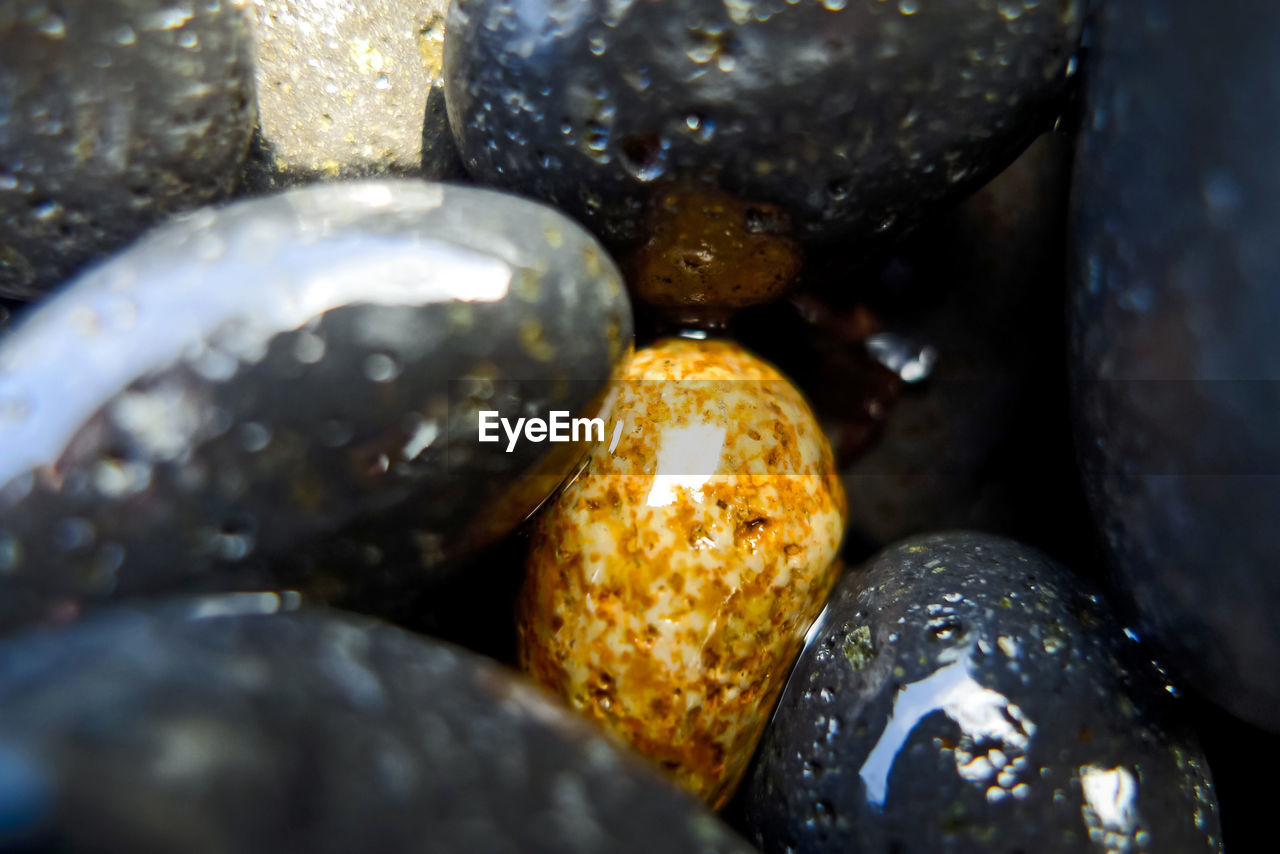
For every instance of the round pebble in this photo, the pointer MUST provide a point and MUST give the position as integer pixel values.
(247, 379)
(151, 731)
(1174, 353)
(963, 692)
(671, 581)
(857, 118)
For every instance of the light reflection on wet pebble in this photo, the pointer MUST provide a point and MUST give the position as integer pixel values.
(248, 379)
(964, 691)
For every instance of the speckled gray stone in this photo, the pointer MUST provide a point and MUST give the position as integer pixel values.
(962, 692)
(246, 379)
(144, 732)
(349, 89)
(858, 117)
(1174, 310)
(113, 113)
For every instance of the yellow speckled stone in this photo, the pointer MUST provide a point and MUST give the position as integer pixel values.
(671, 582)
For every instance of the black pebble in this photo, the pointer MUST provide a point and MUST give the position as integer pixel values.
(964, 692)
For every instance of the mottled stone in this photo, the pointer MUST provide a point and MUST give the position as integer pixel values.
(345, 90)
(1174, 306)
(217, 731)
(113, 114)
(963, 692)
(247, 379)
(672, 580)
(858, 118)
(708, 253)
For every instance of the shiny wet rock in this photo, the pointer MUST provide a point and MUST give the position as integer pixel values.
(222, 730)
(708, 253)
(1174, 353)
(964, 692)
(248, 379)
(857, 118)
(115, 113)
(670, 582)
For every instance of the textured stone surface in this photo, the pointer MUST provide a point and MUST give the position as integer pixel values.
(113, 114)
(670, 583)
(246, 379)
(707, 252)
(151, 731)
(963, 692)
(345, 90)
(856, 117)
(1175, 300)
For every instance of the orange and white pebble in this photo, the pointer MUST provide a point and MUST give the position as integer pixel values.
(671, 583)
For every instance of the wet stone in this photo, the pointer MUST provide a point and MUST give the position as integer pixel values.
(708, 252)
(857, 118)
(1174, 356)
(350, 89)
(115, 113)
(670, 583)
(248, 379)
(965, 692)
(225, 729)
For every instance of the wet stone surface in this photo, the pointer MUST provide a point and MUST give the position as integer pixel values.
(857, 118)
(114, 113)
(348, 90)
(671, 581)
(963, 692)
(1175, 359)
(708, 253)
(248, 379)
(216, 730)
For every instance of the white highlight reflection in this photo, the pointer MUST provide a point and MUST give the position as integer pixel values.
(983, 715)
(1110, 809)
(187, 304)
(694, 453)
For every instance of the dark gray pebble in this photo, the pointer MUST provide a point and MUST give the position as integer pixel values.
(215, 731)
(113, 114)
(963, 692)
(858, 117)
(247, 379)
(1174, 309)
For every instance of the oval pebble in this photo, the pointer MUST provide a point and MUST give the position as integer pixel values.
(246, 379)
(153, 731)
(671, 582)
(857, 118)
(963, 692)
(1175, 296)
(115, 113)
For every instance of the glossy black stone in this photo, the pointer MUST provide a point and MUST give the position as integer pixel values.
(858, 118)
(1174, 306)
(155, 731)
(248, 379)
(963, 692)
(113, 114)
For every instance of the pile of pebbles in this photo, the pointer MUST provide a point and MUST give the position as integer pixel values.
(887, 552)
